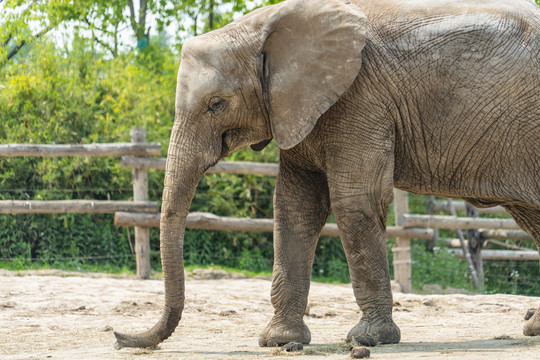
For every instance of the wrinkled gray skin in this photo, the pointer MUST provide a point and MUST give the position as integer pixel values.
(432, 97)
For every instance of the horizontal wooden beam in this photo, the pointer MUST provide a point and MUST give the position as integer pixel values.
(112, 149)
(229, 167)
(143, 163)
(454, 223)
(460, 206)
(502, 254)
(456, 243)
(75, 206)
(245, 168)
(409, 233)
(208, 221)
(505, 234)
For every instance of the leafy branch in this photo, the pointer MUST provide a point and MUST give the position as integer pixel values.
(23, 42)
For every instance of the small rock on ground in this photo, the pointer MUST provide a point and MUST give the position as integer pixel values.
(360, 353)
(292, 347)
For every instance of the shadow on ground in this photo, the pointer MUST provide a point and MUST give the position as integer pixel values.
(481, 345)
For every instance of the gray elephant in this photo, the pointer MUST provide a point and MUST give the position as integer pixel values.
(432, 97)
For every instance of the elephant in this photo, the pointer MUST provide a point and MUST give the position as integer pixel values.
(361, 96)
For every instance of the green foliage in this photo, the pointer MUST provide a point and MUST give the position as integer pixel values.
(75, 96)
(96, 20)
(119, 27)
(512, 277)
(439, 267)
(57, 96)
(206, 15)
(330, 264)
(66, 241)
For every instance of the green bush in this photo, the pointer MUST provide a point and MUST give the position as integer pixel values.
(71, 241)
(58, 96)
(439, 267)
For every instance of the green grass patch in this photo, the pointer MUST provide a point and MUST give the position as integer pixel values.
(23, 265)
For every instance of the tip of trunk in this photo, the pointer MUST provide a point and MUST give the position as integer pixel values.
(151, 338)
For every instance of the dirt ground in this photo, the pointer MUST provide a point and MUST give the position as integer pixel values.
(57, 315)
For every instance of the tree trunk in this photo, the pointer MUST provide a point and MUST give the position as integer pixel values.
(138, 23)
(211, 15)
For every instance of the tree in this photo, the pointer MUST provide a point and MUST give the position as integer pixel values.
(102, 21)
(207, 15)
(107, 22)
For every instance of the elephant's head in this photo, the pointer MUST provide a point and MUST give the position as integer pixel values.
(269, 74)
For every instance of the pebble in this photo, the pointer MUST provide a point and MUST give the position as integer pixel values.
(360, 353)
(292, 347)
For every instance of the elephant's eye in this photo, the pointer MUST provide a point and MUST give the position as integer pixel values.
(216, 104)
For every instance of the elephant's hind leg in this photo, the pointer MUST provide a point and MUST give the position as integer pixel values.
(301, 207)
(528, 218)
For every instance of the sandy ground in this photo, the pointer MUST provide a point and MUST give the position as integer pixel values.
(56, 315)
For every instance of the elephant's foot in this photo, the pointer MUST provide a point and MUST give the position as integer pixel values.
(532, 326)
(278, 333)
(371, 333)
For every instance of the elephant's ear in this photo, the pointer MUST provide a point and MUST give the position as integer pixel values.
(312, 54)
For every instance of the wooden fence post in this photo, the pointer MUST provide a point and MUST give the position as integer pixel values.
(402, 248)
(430, 205)
(140, 193)
(475, 245)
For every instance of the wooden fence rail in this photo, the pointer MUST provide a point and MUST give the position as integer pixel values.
(440, 205)
(228, 167)
(94, 150)
(505, 234)
(209, 221)
(75, 206)
(455, 223)
(488, 254)
(456, 243)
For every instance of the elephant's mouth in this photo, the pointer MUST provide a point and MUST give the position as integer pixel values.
(224, 145)
(227, 145)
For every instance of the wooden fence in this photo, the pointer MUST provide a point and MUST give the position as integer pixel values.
(138, 147)
(143, 214)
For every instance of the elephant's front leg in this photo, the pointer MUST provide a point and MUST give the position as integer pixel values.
(360, 205)
(301, 207)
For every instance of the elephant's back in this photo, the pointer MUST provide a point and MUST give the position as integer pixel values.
(457, 43)
(395, 19)
(410, 9)
(404, 21)
(465, 77)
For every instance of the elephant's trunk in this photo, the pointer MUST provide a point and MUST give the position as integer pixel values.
(181, 178)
